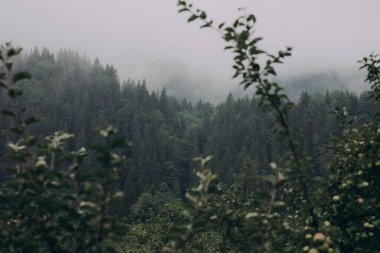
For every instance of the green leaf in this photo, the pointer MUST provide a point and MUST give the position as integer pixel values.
(21, 75)
(183, 9)
(205, 25)
(271, 71)
(230, 29)
(13, 51)
(13, 92)
(251, 17)
(181, 3)
(192, 18)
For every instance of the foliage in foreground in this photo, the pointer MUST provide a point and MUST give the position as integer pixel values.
(299, 213)
(47, 204)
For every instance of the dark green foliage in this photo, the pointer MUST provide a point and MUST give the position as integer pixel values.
(166, 134)
(339, 215)
(355, 178)
(47, 203)
(354, 187)
(372, 65)
(280, 183)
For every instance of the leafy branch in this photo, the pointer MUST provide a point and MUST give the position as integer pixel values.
(241, 40)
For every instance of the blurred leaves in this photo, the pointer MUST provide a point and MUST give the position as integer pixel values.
(47, 205)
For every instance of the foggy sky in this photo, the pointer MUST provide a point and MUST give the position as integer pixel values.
(147, 38)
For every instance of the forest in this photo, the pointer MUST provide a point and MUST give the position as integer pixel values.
(91, 163)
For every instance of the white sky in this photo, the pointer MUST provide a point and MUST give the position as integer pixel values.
(147, 38)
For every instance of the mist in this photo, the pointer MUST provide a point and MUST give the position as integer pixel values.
(149, 39)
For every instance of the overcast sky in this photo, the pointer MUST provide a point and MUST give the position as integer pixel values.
(147, 38)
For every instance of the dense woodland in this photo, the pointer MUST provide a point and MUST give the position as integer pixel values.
(71, 93)
(89, 163)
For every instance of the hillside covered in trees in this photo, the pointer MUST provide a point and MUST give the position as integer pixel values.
(93, 164)
(71, 93)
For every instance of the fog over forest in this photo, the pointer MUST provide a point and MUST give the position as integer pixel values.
(122, 129)
(148, 39)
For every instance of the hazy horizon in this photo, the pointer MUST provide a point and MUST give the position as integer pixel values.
(149, 39)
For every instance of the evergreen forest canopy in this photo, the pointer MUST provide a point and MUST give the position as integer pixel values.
(92, 164)
(69, 93)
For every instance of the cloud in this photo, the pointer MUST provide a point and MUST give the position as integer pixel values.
(141, 37)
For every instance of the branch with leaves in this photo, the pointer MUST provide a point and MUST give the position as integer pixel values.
(241, 40)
